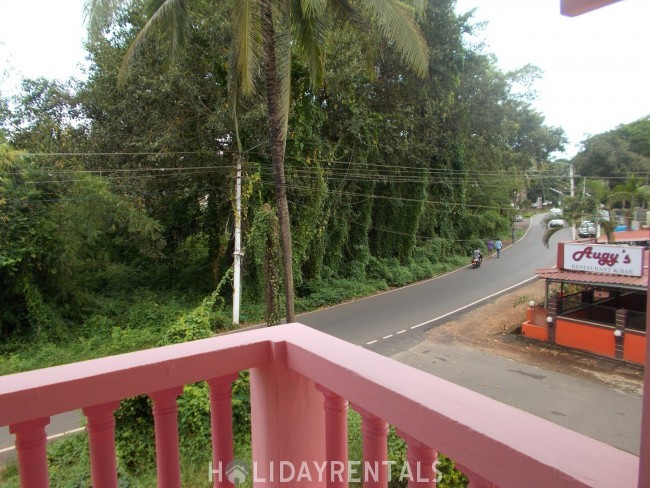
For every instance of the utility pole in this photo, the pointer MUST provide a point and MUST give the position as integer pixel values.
(237, 252)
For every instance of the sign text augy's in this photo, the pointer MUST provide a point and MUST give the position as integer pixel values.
(597, 258)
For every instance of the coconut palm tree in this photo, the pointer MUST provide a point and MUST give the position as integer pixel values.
(590, 204)
(629, 196)
(264, 34)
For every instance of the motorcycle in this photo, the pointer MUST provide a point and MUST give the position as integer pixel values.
(476, 262)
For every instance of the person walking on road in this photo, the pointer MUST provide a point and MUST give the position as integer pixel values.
(498, 245)
(490, 246)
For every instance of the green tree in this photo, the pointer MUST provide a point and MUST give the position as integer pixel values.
(629, 196)
(638, 134)
(43, 116)
(624, 151)
(263, 33)
(63, 235)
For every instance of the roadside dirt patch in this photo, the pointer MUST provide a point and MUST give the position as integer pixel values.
(488, 328)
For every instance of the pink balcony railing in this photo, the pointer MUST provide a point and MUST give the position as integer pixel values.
(302, 382)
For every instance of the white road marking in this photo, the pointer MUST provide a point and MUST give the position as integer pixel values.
(457, 310)
(474, 303)
(49, 438)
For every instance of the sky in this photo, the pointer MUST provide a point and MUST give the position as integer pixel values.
(596, 66)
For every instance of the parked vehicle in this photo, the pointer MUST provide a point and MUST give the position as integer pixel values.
(587, 229)
(519, 218)
(555, 223)
(556, 211)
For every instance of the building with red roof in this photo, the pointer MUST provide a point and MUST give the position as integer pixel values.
(596, 297)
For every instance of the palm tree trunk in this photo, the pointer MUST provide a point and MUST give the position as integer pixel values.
(277, 141)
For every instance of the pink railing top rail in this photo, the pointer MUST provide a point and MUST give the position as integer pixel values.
(505, 445)
(46, 392)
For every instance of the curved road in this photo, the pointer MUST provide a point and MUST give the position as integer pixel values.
(394, 320)
(419, 307)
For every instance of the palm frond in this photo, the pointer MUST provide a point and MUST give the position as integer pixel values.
(312, 8)
(343, 9)
(551, 231)
(398, 25)
(607, 226)
(310, 38)
(247, 44)
(169, 18)
(419, 6)
(98, 14)
(644, 193)
(546, 238)
(621, 197)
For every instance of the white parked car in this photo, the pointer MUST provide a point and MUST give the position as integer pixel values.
(587, 229)
(555, 223)
(556, 211)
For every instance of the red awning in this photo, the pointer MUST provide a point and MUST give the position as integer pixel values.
(620, 281)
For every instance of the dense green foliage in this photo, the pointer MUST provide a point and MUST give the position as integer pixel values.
(619, 153)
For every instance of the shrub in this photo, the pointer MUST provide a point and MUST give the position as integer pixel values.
(134, 431)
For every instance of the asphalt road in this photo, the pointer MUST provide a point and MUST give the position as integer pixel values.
(416, 308)
(395, 320)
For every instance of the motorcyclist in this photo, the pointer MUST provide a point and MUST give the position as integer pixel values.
(478, 255)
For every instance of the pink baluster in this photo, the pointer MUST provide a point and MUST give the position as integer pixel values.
(165, 409)
(101, 437)
(221, 425)
(374, 469)
(422, 461)
(336, 438)
(31, 443)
